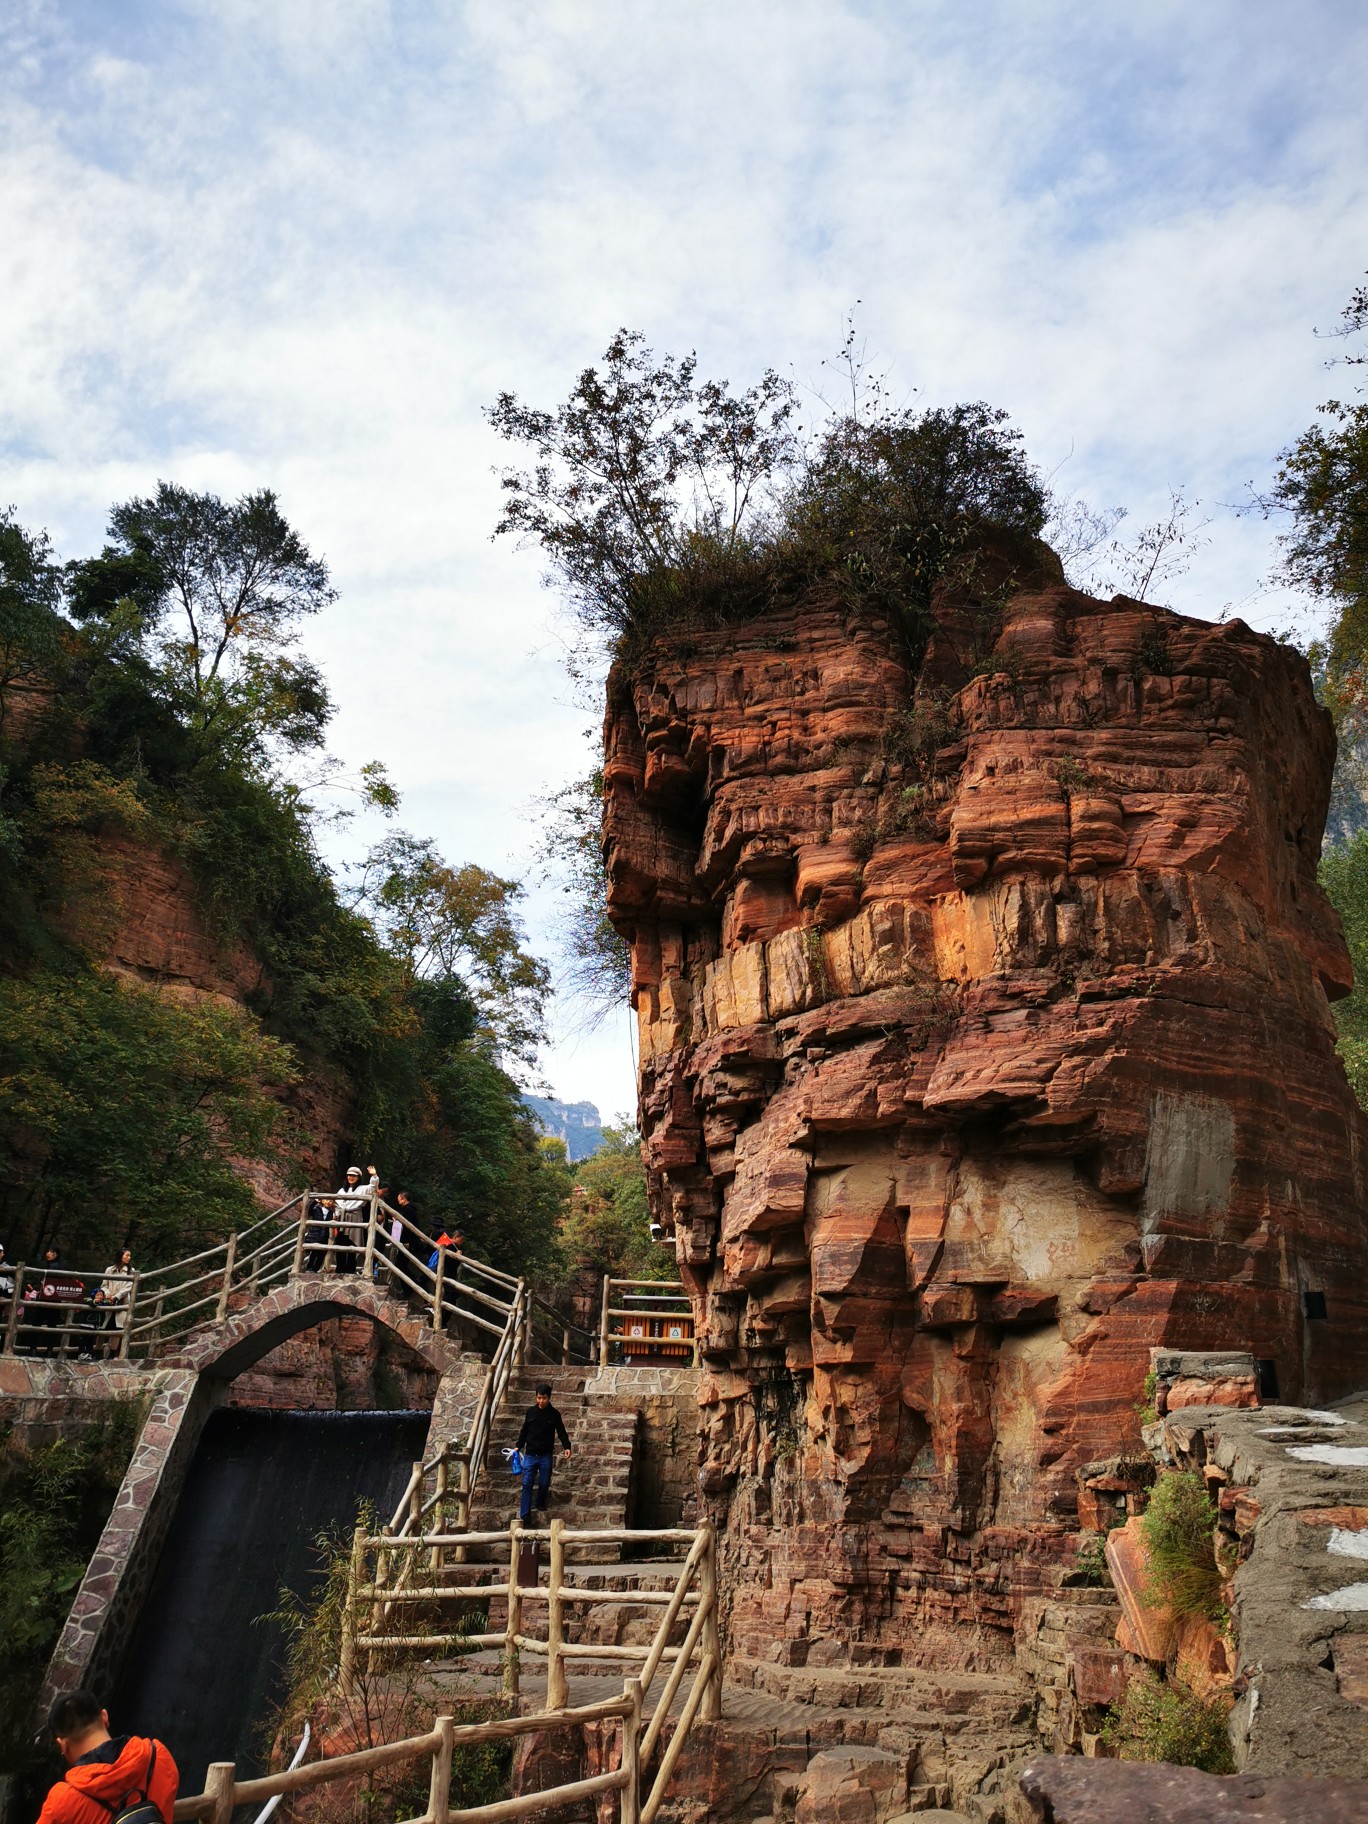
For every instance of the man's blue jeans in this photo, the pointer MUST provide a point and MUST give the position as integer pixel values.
(536, 1476)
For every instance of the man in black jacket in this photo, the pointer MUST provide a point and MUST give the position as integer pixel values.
(537, 1441)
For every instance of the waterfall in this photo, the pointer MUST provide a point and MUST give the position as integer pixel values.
(202, 1672)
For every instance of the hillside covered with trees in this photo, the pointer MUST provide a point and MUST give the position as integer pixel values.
(162, 733)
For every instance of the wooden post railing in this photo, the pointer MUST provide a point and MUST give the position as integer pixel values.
(16, 1306)
(651, 1737)
(222, 1309)
(129, 1313)
(513, 1626)
(557, 1691)
(223, 1793)
(301, 1233)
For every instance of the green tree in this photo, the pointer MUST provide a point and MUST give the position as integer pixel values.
(1344, 875)
(30, 626)
(607, 1224)
(121, 1110)
(220, 589)
(1321, 486)
(891, 502)
(643, 469)
(443, 922)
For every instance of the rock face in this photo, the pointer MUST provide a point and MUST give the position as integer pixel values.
(151, 929)
(985, 1045)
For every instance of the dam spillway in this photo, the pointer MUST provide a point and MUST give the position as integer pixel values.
(203, 1670)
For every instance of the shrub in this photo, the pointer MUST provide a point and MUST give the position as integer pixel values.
(392, 1697)
(54, 1502)
(1178, 1528)
(1167, 1722)
(1091, 1562)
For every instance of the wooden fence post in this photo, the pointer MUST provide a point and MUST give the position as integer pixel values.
(603, 1325)
(346, 1658)
(439, 1789)
(218, 1784)
(711, 1643)
(227, 1285)
(415, 1525)
(510, 1678)
(523, 1325)
(126, 1333)
(443, 1479)
(565, 1345)
(557, 1692)
(439, 1289)
(630, 1806)
(16, 1306)
(304, 1203)
(462, 1503)
(368, 1264)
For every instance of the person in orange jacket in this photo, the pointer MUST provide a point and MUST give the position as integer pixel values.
(106, 1774)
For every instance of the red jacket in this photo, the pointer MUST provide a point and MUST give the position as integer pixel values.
(111, 1772)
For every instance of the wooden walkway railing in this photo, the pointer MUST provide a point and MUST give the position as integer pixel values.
(224, 1792)
(48, 1310)
(651, 1740)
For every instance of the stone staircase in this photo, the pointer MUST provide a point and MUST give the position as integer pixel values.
(594, 1489)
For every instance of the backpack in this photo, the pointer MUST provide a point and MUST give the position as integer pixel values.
(137, 1807)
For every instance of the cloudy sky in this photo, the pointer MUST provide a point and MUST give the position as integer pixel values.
(301, 243)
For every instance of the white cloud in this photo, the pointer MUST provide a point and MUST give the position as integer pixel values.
(301, 246)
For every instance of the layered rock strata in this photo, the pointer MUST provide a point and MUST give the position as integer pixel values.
(982, 986)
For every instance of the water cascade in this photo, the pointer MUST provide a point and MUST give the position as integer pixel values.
(202, 1670)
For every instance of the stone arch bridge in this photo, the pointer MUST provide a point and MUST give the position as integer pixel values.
(181, 1388)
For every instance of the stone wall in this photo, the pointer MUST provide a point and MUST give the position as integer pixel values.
(665, 1465)
(985, 1044)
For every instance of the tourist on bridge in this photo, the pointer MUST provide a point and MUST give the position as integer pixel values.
(353, 1212)
(115, 1290)
(537, 1442)
(107, 1775)
(318, 1233)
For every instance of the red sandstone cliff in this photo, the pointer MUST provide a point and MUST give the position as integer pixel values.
(985, 1043)
(148, 925)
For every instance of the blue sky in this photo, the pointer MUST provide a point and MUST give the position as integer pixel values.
(300, 243)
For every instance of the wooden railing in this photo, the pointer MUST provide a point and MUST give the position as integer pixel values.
(646, 1320)
(651, 1740)
(224, 1792)
(397, 1581)
(50, 1310)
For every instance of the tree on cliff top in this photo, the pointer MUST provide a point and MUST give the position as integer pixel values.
(30, 626)
(219, 590)
(662, 501)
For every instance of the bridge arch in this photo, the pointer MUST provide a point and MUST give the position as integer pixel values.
(221, 1351)
(185, 1387)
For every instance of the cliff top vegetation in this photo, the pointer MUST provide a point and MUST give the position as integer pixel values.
(663, 501)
